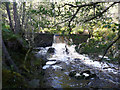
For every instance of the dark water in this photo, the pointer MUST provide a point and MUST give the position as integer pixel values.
(66, 59)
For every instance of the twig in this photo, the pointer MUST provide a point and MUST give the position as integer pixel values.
(110, 46)
(100, 13)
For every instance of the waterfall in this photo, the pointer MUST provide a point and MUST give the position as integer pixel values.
(54, 38)
(67, 53)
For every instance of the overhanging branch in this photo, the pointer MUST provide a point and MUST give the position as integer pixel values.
(100, 13)
(84, 5)
(79, 6)
(61, 22)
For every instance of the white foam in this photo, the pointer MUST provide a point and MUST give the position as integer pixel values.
(77, 74)
(86, 75)
(51, 62)
(56, 67)
(46, 66)
(60, 54)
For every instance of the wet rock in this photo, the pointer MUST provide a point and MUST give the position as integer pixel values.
(66, 50)
(77, 59)
(52, 60)
(83, 75)
(51, 50)
(86, 71)
(91, 76)
(87, 74)
(72, 73)
(62, 69)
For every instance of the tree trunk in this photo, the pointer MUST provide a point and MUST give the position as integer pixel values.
(8, 12)
(23, 13)
(8, 58)
(17, 26)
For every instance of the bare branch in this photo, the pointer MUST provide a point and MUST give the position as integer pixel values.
(79, 6)
(61, 22)
(84, 5)
(100, 13)
(109, 47)
(73, 18)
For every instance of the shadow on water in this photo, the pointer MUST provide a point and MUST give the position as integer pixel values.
(65, 59)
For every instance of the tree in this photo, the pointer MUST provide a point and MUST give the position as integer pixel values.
(23, 16)
(85, 10)
(8, 12)
(17, 26)
(8, 58)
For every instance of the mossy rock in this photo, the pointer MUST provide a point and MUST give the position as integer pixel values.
(12, 80)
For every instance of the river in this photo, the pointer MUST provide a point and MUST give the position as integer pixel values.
(65, 59)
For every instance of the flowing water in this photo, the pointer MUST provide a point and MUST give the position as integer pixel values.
(65, 59)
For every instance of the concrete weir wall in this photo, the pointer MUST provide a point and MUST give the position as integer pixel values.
(43, 40)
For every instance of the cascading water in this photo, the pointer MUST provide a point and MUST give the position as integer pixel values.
(65, 58)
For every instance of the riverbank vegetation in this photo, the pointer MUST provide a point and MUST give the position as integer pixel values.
(22, 20)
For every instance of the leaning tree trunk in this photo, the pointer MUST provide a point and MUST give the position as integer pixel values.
(8, 12)
(8, 58)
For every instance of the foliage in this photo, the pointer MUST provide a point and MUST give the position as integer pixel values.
(7, 33)
(12, 80)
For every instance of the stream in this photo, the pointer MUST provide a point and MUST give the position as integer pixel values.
(63, 59)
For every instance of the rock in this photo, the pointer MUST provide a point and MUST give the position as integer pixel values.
(83, 75)
(87, 74)
(72, 73)
(77, 59)
(52, 60)
(86, 71)
(91, 76)
(62, 69)
(34, 83)
(51, 50)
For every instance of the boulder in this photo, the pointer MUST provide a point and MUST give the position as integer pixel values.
(83, 75)
(72, 73)
(51, 50)
(86, 71)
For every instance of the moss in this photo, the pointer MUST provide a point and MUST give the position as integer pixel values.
(12, 79)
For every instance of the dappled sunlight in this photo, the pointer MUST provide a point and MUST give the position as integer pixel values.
(60, 44)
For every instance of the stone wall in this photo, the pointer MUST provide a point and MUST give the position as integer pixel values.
(43, 40)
